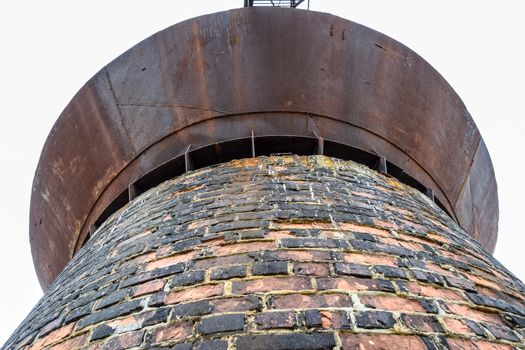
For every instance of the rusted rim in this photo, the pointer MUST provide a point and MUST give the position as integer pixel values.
(219, 77)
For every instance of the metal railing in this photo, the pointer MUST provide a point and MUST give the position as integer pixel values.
(277, 3)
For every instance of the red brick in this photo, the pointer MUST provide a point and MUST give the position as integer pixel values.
(370, 259)
(195, 293)
(485, 282)
(364, 194)
(412, 238)
(421, 323)
(391, 303)
(173, 332)
(302, 255)
(458, 327)
(310, 301)
(269, 284)
(398, 243)
(135, 321)
(168, 261)
(237, 304)
(468, 312)
(352, 283)
(134, 237)
(148, 288)
(365, 229)
(462, 344)
(433, 291)
(53, 337)
(436, 268)
(201, 223)
(385, 224)
(279, 234)
(230, 249)
(332, 234)
(376, 341)
(238, 259)
(71, 343)
(311, 269)
(437, 237)
(271, 320)
(122, 341)
(303, 226)
(334, 320)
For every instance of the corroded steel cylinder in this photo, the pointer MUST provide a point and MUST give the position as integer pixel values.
(280, 253)
(298, 81)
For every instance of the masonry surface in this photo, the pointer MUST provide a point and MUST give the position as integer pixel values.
(280, 253)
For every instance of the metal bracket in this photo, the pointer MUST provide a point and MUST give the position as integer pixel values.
(187, 160)
(253, 144)
(289, 3)
(133, 191)
(430, 194)
(92, 229)
(381, 165)
(320, 144)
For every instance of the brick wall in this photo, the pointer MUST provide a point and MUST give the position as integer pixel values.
(280, 253)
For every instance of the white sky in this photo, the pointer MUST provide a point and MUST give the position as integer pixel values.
(49, 49)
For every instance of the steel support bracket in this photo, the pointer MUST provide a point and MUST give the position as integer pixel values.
(133, 191)
(381, 165)
(430, 194)
(253, 144)
(320, 145)
(187, 160)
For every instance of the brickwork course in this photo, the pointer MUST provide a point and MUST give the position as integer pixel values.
(283, 252)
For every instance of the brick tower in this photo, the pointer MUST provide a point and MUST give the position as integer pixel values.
(233, 182)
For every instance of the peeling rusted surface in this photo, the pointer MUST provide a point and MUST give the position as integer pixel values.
(218, 77)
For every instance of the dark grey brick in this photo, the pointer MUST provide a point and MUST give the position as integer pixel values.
(110, 313)
(157, 299)
(501, 332)
(102, 331)
(314, 243)
(419, 322)
(160, 316)
(187, 279)
(410, 263)
(274, 320)
(270, 268)
(221, 324)
(460, 283)
(514, 320)
(196, 308)
(495, 303)
(365, 236)
(290, 341)
(87, 298)
(112, 299)
(352, 269)
(214, 344)
(390, 272)
(312, 318)
(224, 273)
(429, 306)
(155, 274)
(374, 320)
(429, 277)
(476, 328)
(79, 312)
(381, 248)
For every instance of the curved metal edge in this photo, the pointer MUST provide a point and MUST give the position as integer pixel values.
(173, 78)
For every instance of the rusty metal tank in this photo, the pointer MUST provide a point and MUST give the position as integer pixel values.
(250, 82)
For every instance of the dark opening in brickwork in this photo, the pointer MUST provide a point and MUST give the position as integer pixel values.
(263, 146)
